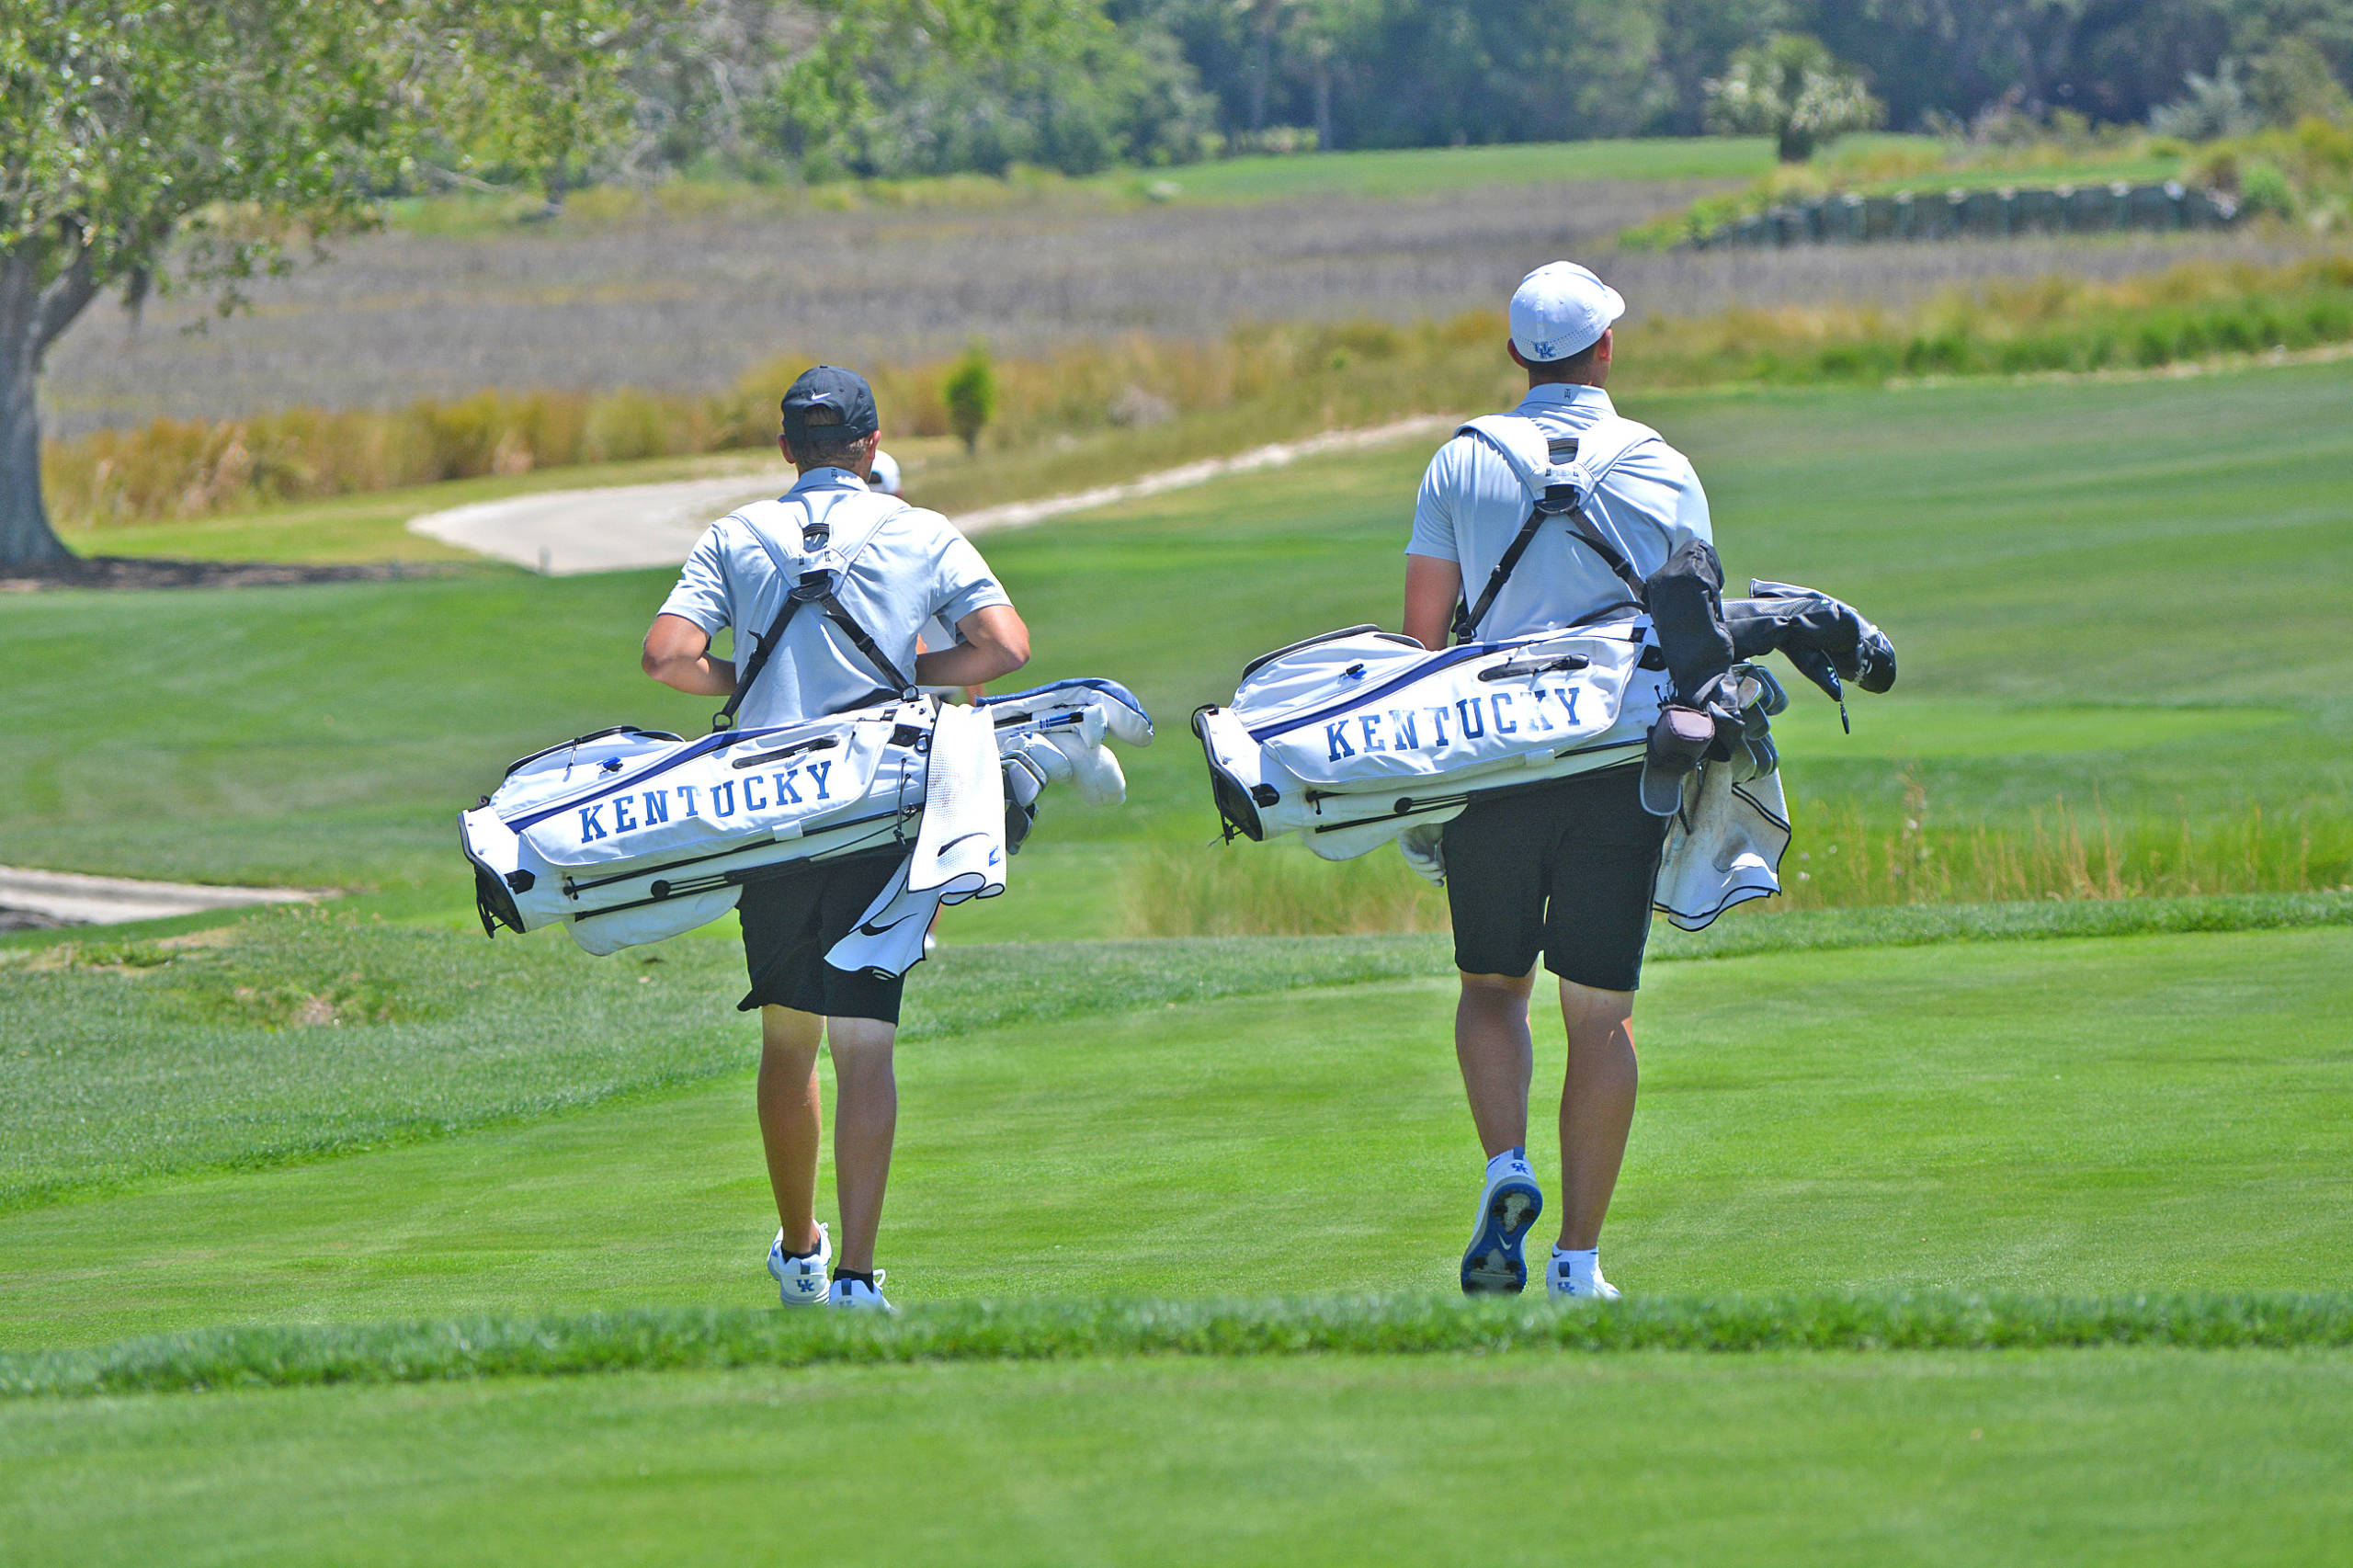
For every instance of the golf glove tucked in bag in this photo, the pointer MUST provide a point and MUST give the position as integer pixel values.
(629, 836)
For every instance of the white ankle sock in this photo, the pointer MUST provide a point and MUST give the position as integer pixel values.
(1582, 1268)
(1505, 1161)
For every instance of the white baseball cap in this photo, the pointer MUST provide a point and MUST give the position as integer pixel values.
(886, 472)
(1560, 309)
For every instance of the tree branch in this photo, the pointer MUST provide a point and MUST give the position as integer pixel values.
(74, 286)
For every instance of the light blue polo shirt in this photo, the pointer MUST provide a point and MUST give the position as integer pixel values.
(915, 566)
(1472, 507)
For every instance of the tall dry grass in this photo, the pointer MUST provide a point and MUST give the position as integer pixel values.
(1837, 860)
(1275, 381)
(2064, 851)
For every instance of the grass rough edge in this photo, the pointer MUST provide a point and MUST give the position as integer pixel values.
(1912, 926)
(714, 1340)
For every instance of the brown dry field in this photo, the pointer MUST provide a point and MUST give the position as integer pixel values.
(688, 304)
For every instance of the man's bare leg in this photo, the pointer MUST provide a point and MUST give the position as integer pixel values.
(1597, 1107)
(1492, 1045)
(866, 1118)
(790, 1109)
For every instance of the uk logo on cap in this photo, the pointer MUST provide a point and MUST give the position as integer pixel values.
(1561, 309)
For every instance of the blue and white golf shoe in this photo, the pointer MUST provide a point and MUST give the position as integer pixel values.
(857, 1295)
(1492, 1264)
(803, 1281)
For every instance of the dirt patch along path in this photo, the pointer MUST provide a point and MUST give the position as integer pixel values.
(143, 572)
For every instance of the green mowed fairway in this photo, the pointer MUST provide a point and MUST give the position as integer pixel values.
(303, 1127)
(1430, 171)
(2077, 1458)
(2078, 1116)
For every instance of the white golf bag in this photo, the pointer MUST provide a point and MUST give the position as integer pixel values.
(1361, 737)
(631, 835)
(1348, 738)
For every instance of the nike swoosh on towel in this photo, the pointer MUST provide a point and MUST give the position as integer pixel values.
(871, 929)
(959, 838)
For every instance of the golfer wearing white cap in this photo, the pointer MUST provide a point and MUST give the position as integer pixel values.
(1563, 870)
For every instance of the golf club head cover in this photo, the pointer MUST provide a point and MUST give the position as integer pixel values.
(1799, 622)
(1686, 600)
(1093, 771)
(1039, 757)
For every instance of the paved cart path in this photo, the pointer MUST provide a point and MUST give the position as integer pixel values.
(30, 898)
(566, 532)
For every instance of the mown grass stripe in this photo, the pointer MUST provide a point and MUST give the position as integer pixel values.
(675, 1340)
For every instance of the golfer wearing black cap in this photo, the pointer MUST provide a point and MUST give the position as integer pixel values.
(896, 567)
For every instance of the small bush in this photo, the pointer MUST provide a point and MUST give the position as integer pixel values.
(970, 396)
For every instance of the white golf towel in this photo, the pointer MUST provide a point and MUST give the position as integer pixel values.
(1724, 848)
(959, 852)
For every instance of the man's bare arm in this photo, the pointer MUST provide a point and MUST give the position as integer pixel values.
(995, 643)
(678, 653)
(1432, 587)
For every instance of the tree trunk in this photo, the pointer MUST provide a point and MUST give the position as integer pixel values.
(26, 537)
(31, 316)
(1324, 106)
(1262, 70)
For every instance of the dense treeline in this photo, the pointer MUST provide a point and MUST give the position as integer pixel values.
(1408, 73)
(821, 88)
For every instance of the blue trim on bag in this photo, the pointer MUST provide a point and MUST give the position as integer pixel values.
(1430, 666)
(1108, 687)
(702, 747)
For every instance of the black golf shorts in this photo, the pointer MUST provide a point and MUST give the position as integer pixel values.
(1566, 867)
(789, 921)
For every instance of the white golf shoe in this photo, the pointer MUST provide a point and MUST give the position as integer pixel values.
(802, 1281)
(1508, 1205)
(1566, 1280)
(861, 1295)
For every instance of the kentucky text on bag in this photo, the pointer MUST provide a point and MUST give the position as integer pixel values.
(631, 835)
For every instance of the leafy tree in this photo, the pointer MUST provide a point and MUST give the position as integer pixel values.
(898, 88)
(201, 143)
(1697, 39)
(1791, 89)
(969, 393)
(2211, 106)
(2292, 81)
(1425, 73)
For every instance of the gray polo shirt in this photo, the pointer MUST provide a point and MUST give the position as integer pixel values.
(916, 567)
(1472, 507)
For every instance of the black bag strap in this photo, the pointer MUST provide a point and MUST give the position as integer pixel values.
(817, 588)
(749, 670)
(863, 643)
(1467, 617)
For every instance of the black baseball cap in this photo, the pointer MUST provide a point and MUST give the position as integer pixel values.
(830, 387)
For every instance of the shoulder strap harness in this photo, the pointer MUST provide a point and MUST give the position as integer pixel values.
(816, 585)
(1559, 490)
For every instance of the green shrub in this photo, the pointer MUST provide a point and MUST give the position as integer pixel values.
(969, 393)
